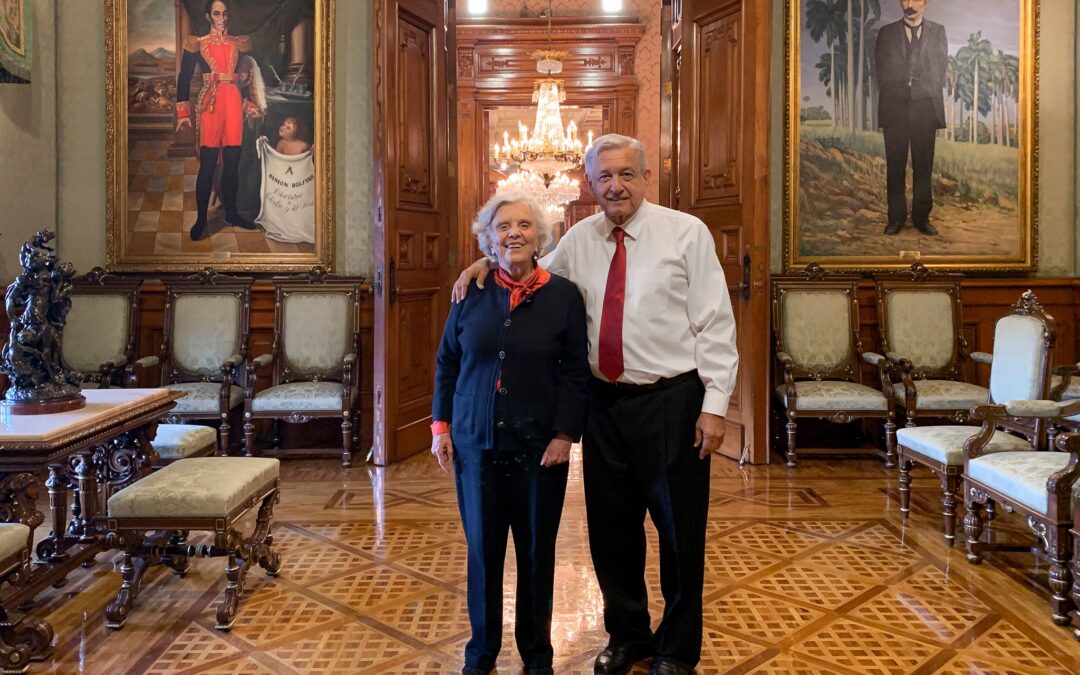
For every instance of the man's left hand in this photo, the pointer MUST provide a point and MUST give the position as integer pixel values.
(709, 433)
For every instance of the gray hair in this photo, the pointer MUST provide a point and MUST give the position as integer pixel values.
(485, 218)
(614, 142)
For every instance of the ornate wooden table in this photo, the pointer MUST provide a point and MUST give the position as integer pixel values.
(92, 452)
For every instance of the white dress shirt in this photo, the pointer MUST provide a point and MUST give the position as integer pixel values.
(912, 30)
(677, 313)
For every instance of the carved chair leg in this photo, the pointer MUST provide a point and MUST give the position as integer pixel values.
(973, 527)
(236, 568)
(223, 435)
(791, 428)
(346, 439)
(890, 443)
(1057, 544)
(263, 537)
(275, 427)
(249, 435)
(132, 568)
(950, 484)
(23, 641)
(906, 465)
(179, 564)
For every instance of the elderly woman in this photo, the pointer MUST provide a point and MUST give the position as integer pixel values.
(510, 396)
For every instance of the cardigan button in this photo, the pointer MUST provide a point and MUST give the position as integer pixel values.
(501, 425)
(502, 355)
(507, 322)
(503, 391)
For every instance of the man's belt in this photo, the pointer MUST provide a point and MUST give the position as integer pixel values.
(230, 78)
(662, 383)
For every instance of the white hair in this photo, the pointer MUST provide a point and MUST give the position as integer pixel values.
(614, 142)
(485, 218)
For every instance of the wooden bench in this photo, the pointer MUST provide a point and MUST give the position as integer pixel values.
(21, 640)
(150, 521)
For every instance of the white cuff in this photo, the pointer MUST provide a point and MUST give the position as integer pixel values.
(716, 402)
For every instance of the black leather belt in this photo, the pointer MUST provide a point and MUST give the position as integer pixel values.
(662, 383)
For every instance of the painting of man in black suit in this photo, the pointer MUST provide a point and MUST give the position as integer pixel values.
(910, 62)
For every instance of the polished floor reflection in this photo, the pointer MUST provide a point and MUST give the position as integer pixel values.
(809, 570)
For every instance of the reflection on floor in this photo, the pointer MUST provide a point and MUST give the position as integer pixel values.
(808, 571)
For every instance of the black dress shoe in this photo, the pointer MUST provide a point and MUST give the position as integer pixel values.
(665, 667)
(238, 221)
(893, 228)
(925, 227)
(618, 657)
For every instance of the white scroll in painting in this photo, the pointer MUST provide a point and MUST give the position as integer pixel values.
(287, 195)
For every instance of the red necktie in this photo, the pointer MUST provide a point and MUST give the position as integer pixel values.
(611, 353)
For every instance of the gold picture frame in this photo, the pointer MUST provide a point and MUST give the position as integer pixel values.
(153, 185)
(837, 193)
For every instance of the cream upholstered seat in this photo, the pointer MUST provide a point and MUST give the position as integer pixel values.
(815, 323)
(178, 441)
(151, 518)
(14, 537)
(1019, 370)
(199, 487)
(314, 360)
(203, 397)
(98, 341)
(22, 640)
(1038, 485)
(204, 348)
(919, 318)
(300, 396)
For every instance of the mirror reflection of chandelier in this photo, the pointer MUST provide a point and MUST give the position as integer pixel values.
(550, 147)
(552, 195)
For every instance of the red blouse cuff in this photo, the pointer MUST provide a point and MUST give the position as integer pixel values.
(183, 110)
(439, 428)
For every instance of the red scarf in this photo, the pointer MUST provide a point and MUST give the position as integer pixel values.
(521, 290)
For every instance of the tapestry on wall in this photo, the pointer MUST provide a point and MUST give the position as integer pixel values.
(911, 134)
(16, 43)
(204, 91)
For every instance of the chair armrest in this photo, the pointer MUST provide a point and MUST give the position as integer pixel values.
(1064, 374)
(1042, 408)
(873, 358)
(262, 360)
(982, 357)
(231, 363)
(1060, 484)
(131, 370)
(784, 359)
(347, 364)
(228, 371)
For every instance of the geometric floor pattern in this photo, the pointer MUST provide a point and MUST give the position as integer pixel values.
(826, 580)
(161, 210)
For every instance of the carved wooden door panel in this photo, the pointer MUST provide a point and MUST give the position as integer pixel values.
(719, 144)
(414, 206)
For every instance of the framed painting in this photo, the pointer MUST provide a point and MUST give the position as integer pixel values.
(219, 134)
(911, 134)
(16, 44)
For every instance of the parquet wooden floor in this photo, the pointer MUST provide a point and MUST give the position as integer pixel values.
(809, 570)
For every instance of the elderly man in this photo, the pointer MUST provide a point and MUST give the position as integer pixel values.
(663, 357)
(910, 57)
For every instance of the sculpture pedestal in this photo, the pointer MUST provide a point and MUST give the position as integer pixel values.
(42, 407)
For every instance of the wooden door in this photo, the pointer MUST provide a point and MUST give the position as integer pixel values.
(719, 112)
(414, 206)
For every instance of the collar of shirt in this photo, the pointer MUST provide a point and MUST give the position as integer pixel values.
(912, 26)
(633, 226)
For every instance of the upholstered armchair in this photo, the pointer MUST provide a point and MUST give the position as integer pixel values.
(99, 339)
(921, 334)
(1065, 386)
(204, 348)
(1038, 485)
(815, 325)
(1019, 371)
(314, 358)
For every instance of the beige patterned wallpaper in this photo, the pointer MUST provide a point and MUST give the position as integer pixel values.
(646, 65)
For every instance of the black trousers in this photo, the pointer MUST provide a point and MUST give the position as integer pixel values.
(915, 135)
(639, 457)
(503, 490)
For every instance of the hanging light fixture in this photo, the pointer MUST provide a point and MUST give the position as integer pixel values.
(549, 148)
(552, 193)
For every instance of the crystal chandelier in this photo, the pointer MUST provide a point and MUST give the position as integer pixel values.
(552, 194)
(549, 148)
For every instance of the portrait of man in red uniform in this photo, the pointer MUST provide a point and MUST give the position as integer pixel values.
(219, 110)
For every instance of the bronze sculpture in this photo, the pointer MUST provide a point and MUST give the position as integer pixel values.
(37, 303)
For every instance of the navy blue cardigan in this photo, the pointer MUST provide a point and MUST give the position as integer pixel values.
(542, 350)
